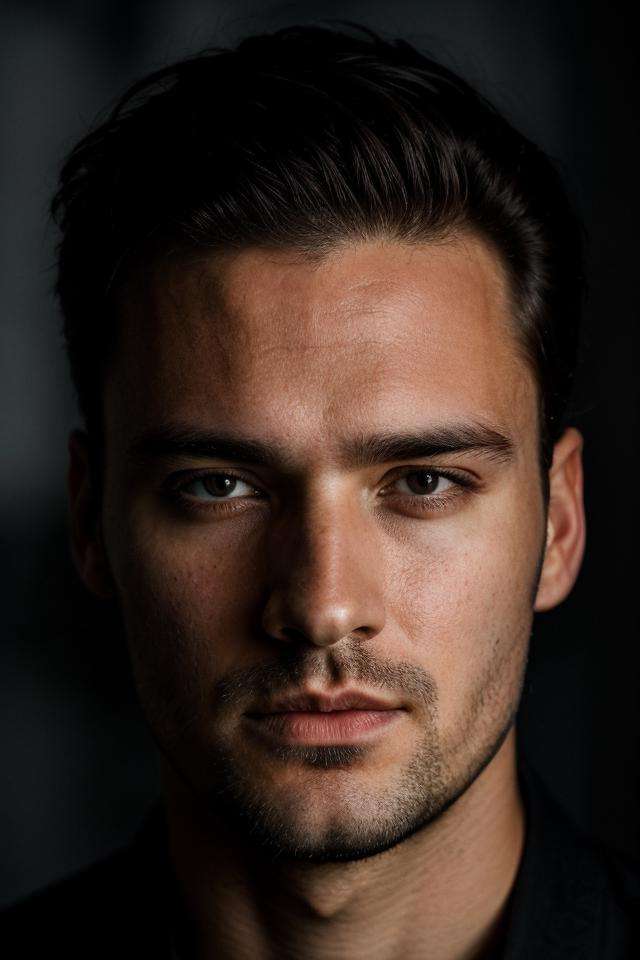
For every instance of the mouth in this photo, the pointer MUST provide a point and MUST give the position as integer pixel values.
(316, 719)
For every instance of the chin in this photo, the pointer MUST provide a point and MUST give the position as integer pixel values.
(343, 834)
(327, 807)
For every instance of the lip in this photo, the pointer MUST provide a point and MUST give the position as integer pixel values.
(318, 702)
(316, 719)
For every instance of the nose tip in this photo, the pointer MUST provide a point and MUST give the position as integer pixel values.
(326, 581)
(292, 620)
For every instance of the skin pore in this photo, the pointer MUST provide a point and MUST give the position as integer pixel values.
(323, 476)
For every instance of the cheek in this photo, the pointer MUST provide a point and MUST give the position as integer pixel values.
(187, 602)
(465, 600)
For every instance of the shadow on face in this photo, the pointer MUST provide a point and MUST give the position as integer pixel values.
(322, 480)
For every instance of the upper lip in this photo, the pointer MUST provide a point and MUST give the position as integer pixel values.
(324, 703)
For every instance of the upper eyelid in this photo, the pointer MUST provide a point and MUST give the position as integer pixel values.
(456, 475)
(187, 476)
(181, 481)
(461, 479)
(451, 473)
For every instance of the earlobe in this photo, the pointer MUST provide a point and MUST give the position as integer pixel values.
(84, 504)
(565, 523)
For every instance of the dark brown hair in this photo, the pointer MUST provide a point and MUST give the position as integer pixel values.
(305, 138)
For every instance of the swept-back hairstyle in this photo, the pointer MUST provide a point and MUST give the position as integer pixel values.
(309, 137)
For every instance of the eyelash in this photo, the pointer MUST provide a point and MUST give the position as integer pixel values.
(463, 484)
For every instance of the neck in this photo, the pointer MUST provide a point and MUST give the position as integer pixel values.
(440, 894)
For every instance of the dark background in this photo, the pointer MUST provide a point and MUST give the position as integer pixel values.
(78, 766)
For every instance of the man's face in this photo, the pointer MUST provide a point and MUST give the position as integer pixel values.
(319, 561)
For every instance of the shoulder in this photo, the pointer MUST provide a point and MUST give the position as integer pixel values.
(113, 908)
(66, 912)
(573, 897)
(620, 903)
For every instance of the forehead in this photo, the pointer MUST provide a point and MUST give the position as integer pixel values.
(371, 334)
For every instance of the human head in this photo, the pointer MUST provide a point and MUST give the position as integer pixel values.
(322, 302)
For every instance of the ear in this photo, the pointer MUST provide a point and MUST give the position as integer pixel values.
(86, 528)
(565, 523)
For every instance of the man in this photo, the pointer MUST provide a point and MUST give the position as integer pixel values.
(321, 304)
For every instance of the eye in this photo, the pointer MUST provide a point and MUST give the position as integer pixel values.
(217, 486)
(424, 483)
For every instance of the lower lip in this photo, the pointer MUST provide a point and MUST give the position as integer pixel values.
(334, 727)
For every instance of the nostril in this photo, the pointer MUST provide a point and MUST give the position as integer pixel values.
(293, 634)
(294, 616)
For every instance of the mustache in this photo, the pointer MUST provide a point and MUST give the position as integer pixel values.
(294, 668)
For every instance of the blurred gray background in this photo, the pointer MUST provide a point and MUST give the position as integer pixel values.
(78, 766)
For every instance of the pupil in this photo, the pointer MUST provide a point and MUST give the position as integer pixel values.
(422, 481)
(220, 484)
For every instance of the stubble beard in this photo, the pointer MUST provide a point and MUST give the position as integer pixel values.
(422, 795)
(364, 822)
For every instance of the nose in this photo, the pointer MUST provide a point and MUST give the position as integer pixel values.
(327, 579)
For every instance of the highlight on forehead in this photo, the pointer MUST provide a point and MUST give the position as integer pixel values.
(203, 284)
(204, 281)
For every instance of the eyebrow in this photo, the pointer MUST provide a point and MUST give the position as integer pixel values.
(435, 442)
(366, 450)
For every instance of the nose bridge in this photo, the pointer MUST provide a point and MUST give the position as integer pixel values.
(326, 581)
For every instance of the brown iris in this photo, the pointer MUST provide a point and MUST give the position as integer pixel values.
(422, 481)
(219, 484)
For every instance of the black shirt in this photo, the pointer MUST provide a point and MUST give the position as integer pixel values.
(571, 899)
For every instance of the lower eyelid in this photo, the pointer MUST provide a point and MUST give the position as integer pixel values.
(454, 484)
(457, 485)
(182, 489)
(448, 480)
